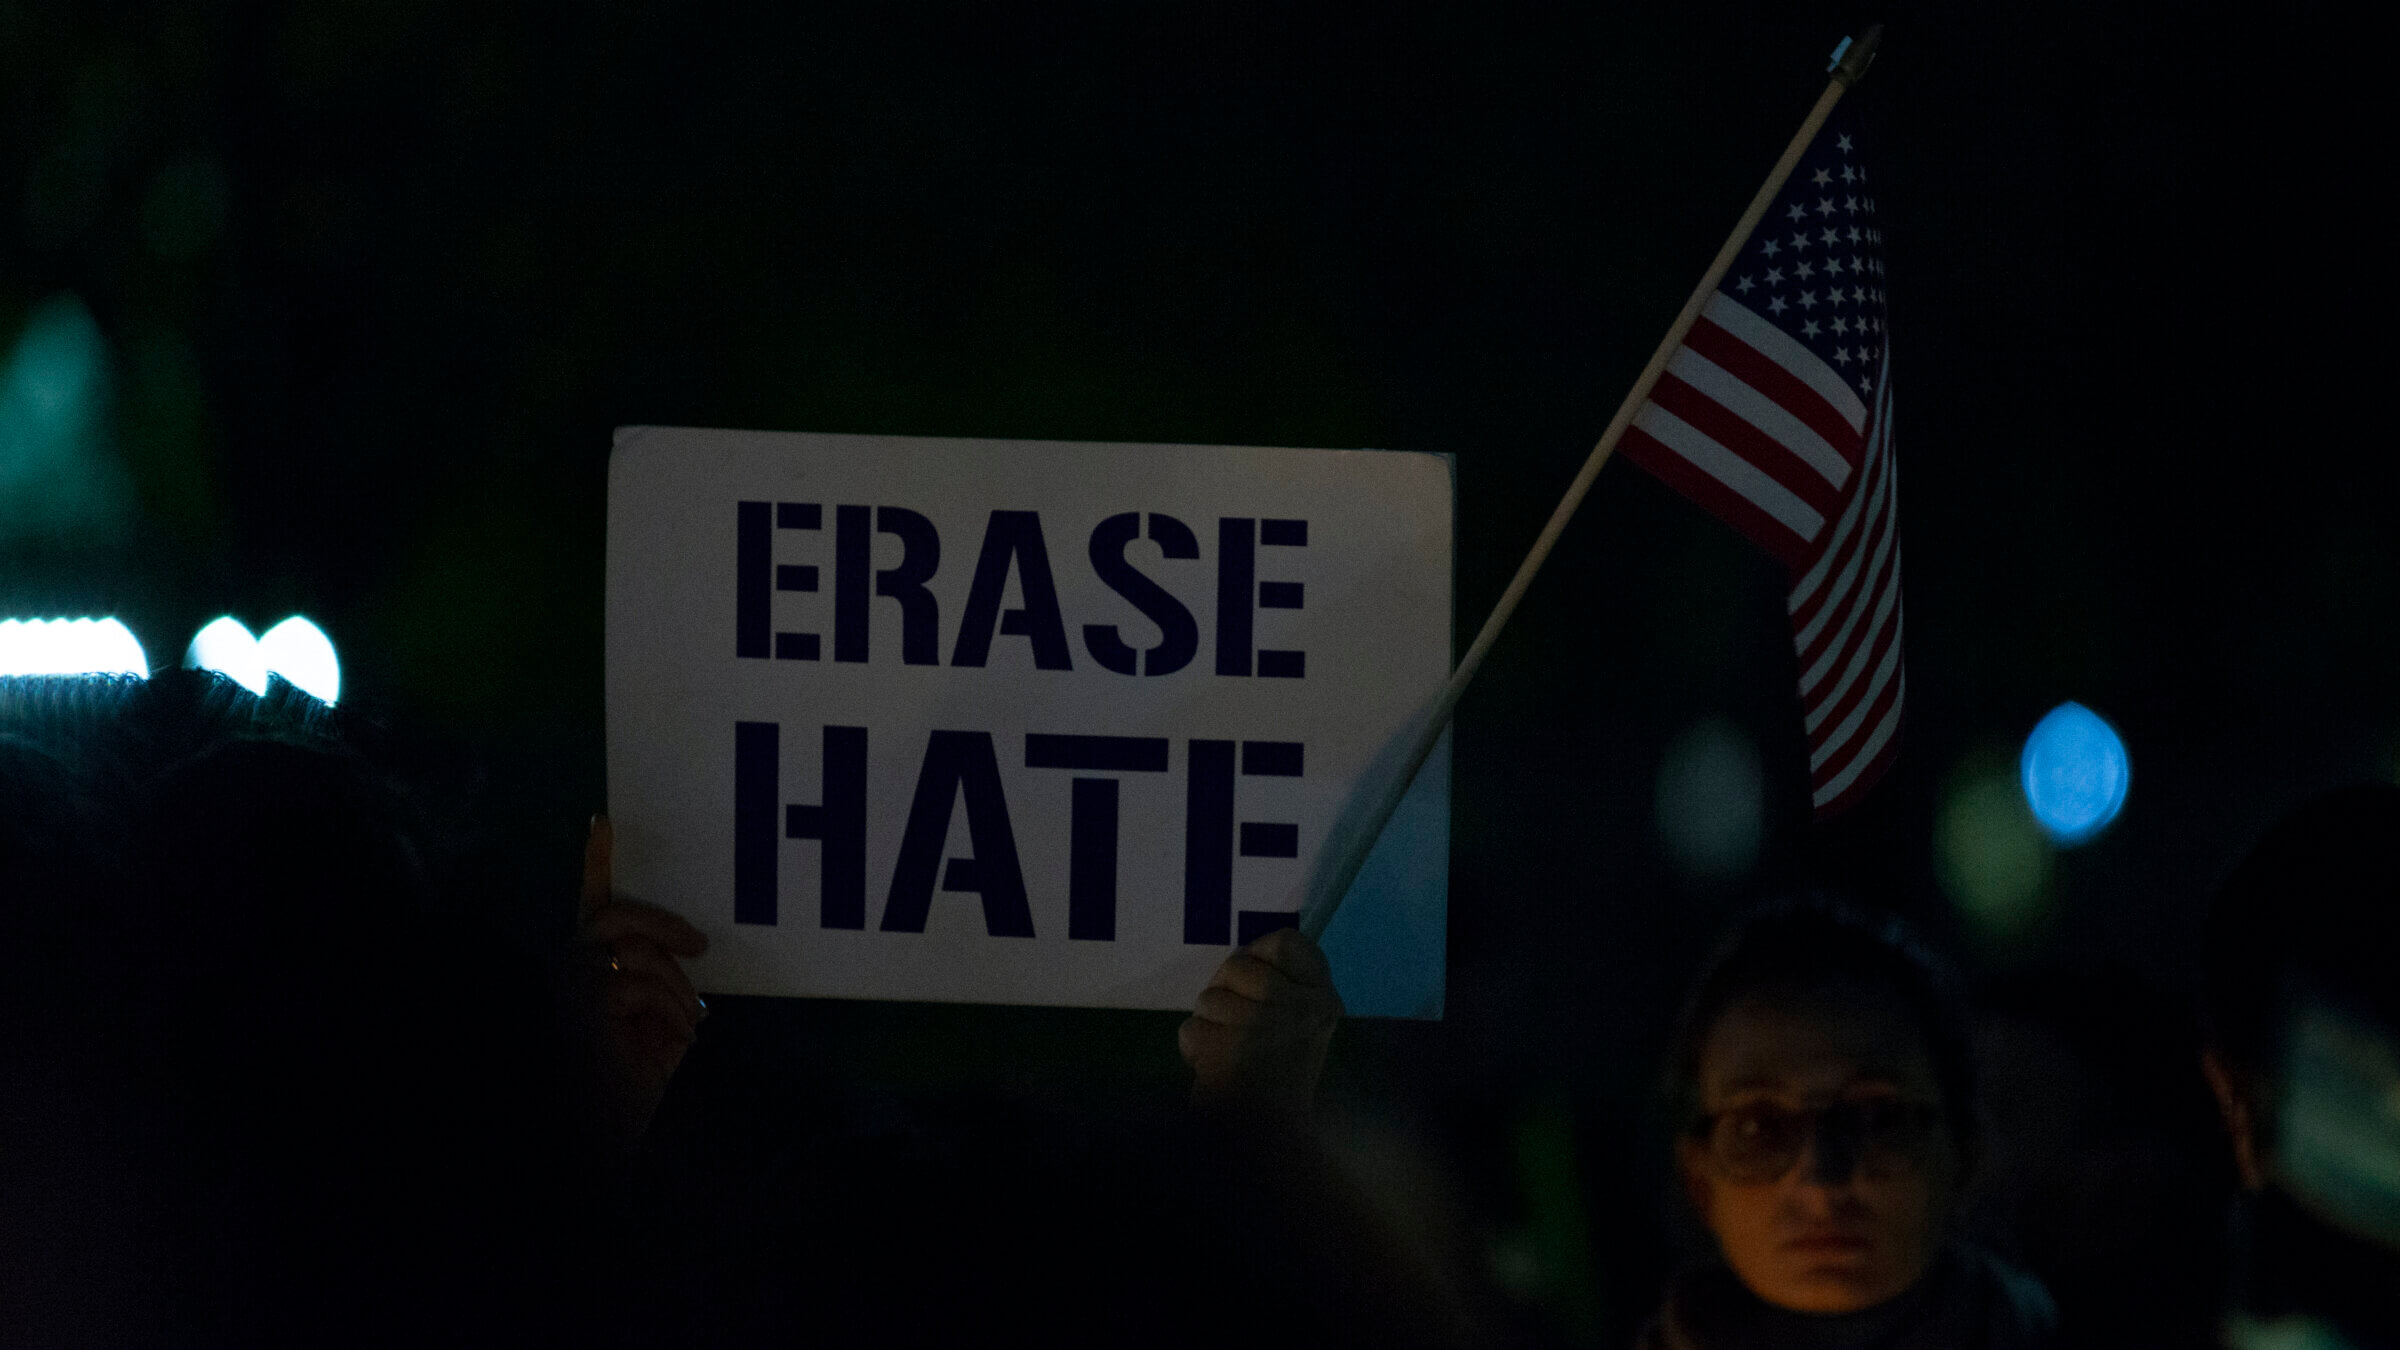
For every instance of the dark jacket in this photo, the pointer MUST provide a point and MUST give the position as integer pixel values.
(1968, 1300)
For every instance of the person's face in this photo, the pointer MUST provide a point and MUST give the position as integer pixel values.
(2334, 1101)
(1826, 1172)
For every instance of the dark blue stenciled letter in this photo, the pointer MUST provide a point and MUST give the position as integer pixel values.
(853, 561)
(959, 763)
(1240, 595)
(1014, 537)
(1209, 835)
(1179, 635)
(838, 823)
(759, 577)
(1092, 824)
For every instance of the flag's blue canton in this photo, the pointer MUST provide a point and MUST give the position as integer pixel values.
(1814, 265)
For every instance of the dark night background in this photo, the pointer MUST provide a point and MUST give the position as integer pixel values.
(374, 280)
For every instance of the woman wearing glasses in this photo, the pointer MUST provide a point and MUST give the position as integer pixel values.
(1824, 1083)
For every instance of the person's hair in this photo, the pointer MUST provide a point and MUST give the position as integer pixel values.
(1797, 944)
(328, 1083)
(2302, 913)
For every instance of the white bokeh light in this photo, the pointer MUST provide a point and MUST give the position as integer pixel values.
(226, 647)
(34, 647)
(300, 652)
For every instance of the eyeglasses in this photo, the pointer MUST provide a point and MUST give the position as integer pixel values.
(1759, 1142)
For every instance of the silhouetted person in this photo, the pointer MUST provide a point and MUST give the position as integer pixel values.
(1257, 1042)
(292, 1091)
(54, 1165)
(1825, 1087)
(365, 1126)
(2303, 1009)
(2103, 1165)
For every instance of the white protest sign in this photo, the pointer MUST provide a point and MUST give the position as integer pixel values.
(1023, 721)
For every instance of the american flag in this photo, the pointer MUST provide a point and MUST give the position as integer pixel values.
(1776, 415)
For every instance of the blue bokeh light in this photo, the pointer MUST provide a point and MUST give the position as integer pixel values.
(2075, 773)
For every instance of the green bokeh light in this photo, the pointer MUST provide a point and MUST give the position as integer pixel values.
(1991, 857)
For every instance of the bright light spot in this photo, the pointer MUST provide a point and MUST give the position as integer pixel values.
(300, 652)
(119, 651)
(227, 648)
(1991, 857)
(70, 647)
(1711, 801)
(2075, 773)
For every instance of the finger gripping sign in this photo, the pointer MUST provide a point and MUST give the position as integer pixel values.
(1024, 721)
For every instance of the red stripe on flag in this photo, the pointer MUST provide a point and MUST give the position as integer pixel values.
(1713, 496)
(1867, 589)
(1863, 486)
(1766, 375)
(1890, 709)
(1883, 639)
(1862, 744)
(1736, 433)
(1867, 484)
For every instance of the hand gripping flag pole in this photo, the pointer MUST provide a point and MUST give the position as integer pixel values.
(1850, 61)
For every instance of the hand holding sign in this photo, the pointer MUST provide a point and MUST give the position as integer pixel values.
(639, 1011)
(1257, 1038)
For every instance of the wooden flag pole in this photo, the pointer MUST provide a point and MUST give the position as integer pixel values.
(1850, 61)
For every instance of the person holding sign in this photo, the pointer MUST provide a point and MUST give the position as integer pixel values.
(1257, 1042)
